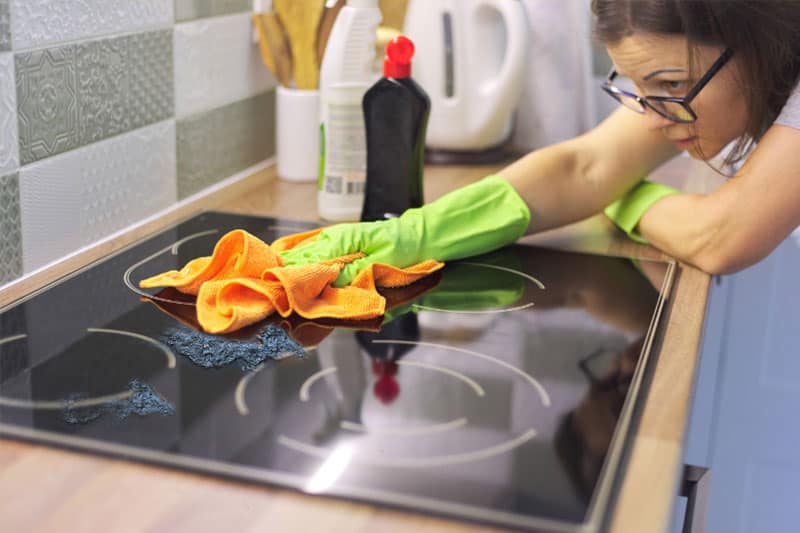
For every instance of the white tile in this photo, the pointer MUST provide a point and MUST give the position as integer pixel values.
(216, 63)
(39, 22)
(9, 145)
(76, 198)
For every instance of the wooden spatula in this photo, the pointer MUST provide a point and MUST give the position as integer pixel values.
(301, 19)
(263, 46)
(274, 42)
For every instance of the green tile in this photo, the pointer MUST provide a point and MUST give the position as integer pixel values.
(216, 144)
(73, 95)
(102, 84)
(10, 229)
(47, 102)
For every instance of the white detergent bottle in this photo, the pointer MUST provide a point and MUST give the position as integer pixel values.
(345, 75)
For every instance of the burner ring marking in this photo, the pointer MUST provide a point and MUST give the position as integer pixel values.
(310, 381)
(469, 381)
(167, 352)
(437, 428)
(517, 272)
(476, 312)
(13, 338)
(304, 389)
(530, 379)
(408, 462)
(126, 278)
(485, 311)
(238, 395)
(87, 402)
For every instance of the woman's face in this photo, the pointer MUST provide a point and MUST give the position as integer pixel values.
(659, 66)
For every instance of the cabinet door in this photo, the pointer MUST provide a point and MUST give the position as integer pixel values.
(703, 400)
(754, 431)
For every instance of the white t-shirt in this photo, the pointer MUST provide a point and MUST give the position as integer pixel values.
(790, 114)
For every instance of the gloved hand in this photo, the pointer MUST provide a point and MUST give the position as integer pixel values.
(626, 211)
(475, 219)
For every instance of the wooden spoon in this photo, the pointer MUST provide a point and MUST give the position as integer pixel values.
(394, 13)
(301, 19)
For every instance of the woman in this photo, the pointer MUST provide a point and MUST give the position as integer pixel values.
(707, 73)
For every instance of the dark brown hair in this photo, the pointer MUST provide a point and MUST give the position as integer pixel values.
(764, 35)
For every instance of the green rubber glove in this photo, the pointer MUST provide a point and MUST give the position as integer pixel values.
(472, 220)
(626, 211)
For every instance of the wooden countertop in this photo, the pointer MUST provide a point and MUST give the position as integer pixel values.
(46, 489)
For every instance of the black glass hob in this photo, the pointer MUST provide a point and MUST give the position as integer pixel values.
(502, 389)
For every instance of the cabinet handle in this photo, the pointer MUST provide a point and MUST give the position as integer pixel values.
(695, 486)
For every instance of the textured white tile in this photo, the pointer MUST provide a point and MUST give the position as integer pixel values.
(196, 9)
(216, 63)
(38, 22)
(76, 198)
(9, 145)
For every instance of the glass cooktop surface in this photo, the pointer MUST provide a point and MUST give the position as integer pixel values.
(502, 389)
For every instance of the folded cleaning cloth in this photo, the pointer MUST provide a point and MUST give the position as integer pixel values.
(244, 281)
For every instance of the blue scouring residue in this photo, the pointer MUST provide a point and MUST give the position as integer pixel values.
(80, 415)
(213, 351)
(142, 401)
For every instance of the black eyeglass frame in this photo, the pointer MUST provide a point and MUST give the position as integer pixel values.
(683, 101)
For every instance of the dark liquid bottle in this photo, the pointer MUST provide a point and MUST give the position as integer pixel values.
(396, 113)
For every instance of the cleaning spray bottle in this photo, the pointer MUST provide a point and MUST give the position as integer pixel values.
(396, 111)
(345, 75)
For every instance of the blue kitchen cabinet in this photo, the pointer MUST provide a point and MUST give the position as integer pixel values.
(744, 424)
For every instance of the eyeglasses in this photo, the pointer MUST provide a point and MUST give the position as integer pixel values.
(674, 108)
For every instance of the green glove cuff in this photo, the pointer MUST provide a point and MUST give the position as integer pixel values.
(626, 211)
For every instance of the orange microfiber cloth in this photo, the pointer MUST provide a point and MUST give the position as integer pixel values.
(244, 281)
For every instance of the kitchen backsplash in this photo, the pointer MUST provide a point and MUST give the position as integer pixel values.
(112, 110)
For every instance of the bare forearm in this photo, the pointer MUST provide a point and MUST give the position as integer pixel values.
(559, 186)
(684, 226)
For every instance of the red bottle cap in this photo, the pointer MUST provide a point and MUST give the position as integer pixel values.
(397, 62)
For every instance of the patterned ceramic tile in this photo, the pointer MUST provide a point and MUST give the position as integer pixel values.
(46, 102)
(210, 51)
(5, 26)
(102, 84)
(195, 9)
(151, 96)
(76, 198)
(9, 149)
(215, 145)
(41, 22)
(73, 95)
(10, 236)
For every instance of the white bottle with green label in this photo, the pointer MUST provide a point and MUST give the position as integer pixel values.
(345, 75)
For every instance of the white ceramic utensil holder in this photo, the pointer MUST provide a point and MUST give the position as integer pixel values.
(297, 134)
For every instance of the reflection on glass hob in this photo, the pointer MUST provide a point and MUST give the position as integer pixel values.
(501, 390)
